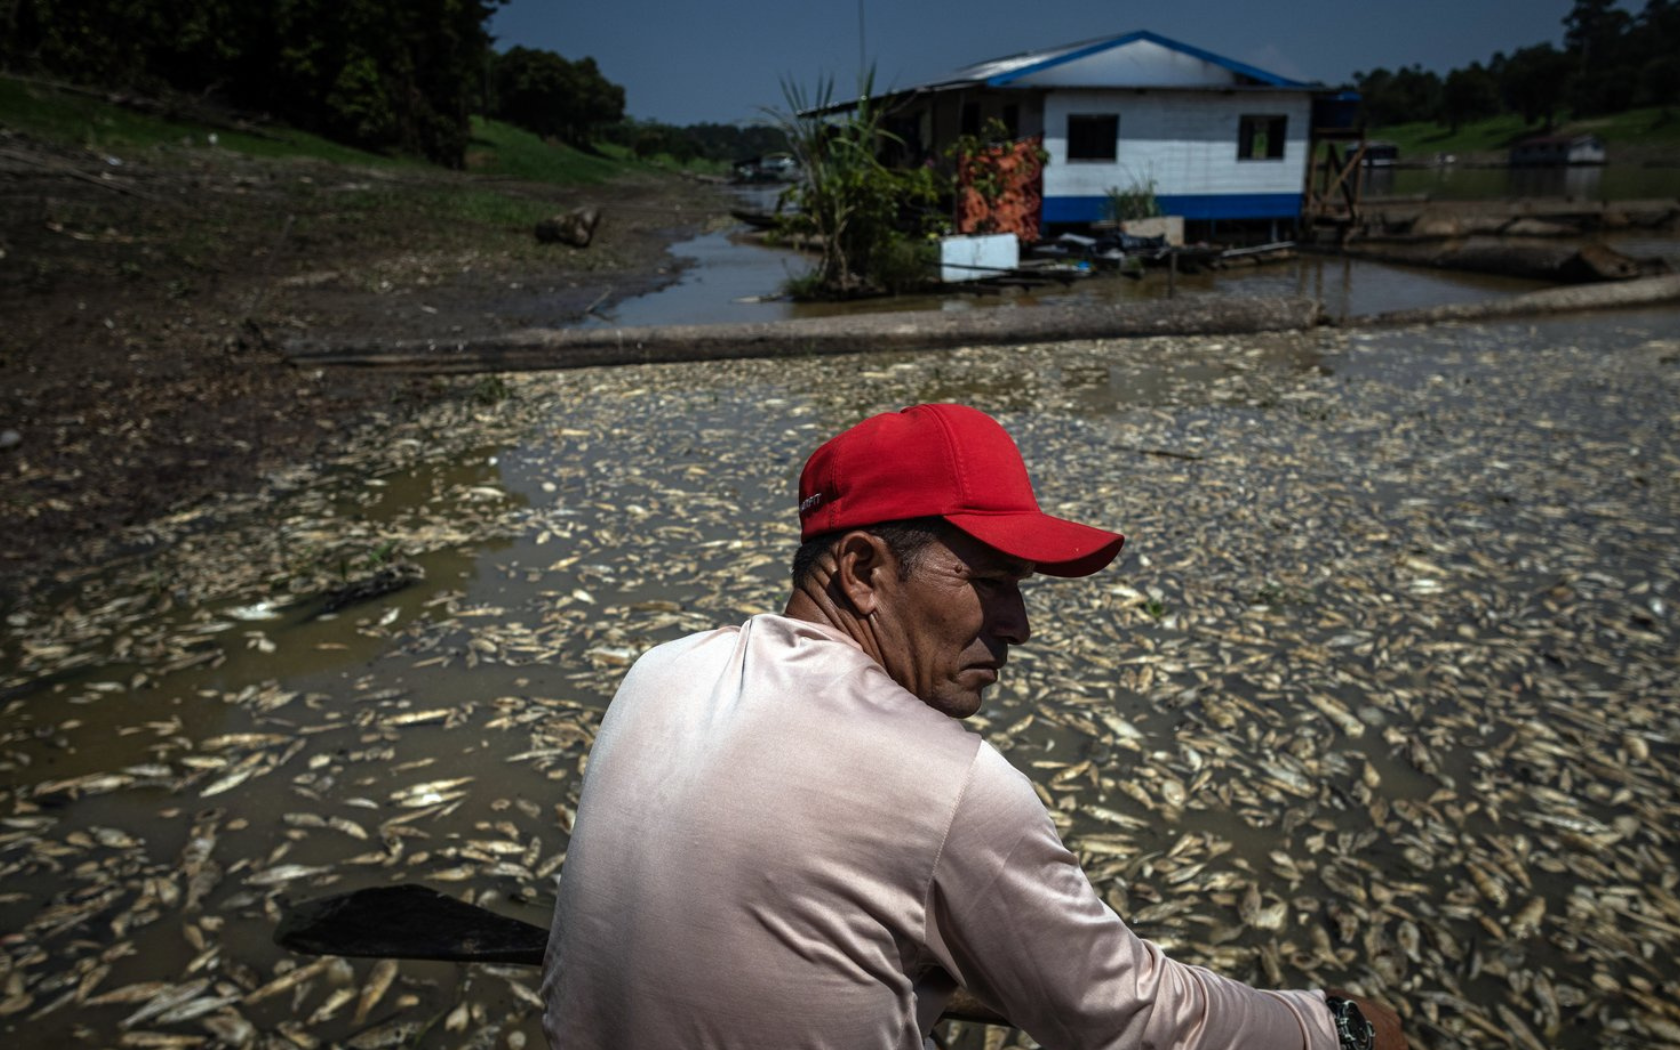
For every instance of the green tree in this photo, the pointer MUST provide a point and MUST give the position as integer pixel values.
(1595, 38)
(543, 92)
(1468, 94)
(1533, 82)
(1406, 95)
(383, 74)
(1656, 45)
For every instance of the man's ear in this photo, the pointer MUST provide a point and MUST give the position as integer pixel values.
(863, 563)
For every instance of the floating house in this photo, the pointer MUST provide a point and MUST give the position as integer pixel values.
(1558, 150)
(1215, 139)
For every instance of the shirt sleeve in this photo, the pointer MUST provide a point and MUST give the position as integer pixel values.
(1013, 918)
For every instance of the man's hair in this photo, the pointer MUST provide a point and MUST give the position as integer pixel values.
(907, 539)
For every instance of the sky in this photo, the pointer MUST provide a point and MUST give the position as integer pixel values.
(726, 61)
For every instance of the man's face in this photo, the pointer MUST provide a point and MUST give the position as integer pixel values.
(945, 632)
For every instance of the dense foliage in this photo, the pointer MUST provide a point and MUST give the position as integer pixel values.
(384, 74)
(544, 93)
(724, 143)
(387, 75)
(869, 221)
(1610, 61)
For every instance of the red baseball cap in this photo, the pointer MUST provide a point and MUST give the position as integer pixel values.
(947, 461)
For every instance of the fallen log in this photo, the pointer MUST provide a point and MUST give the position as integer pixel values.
(1646, 291)
(1542, 261)
(548, 348)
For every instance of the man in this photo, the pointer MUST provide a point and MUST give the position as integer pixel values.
(787, 839)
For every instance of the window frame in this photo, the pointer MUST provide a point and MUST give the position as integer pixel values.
(1113, 154)
(1274, 127)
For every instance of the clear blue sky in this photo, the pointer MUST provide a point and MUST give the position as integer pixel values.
(684, 62)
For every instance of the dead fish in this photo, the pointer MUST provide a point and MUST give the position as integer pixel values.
(237, 776)
(457, 1019)
(291, 979)
(230, 1029)
(196, 1008)
(430, 793)
(1526, 923)
(414, 718)
(379, 980)
(284, 873)
(334, 1002)
(165, 1001)
(129, 993)
(392, 1033)
(161, 1040)
(1488, 885)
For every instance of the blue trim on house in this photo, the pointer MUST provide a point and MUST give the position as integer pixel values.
(1196, 207)
(1096, 47)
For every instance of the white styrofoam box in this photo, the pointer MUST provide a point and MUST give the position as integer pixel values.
(975, 257)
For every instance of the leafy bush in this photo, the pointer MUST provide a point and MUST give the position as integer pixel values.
(1136, 201)
(869, 220)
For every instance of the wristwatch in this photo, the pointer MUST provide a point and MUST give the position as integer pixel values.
(1352, 1029)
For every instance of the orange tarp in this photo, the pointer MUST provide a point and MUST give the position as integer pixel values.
(1013, 168)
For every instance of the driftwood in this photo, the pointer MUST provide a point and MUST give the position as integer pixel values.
(1538, 260)
(540, 349)
(1645, 292)
(1420, 218)
(543, 349)
(576, 228)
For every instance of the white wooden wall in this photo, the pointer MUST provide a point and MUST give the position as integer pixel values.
(1185, 141)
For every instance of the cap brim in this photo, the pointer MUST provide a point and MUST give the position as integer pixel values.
(1056, 546)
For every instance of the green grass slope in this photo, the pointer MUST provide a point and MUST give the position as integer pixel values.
(78, 120)
(1640, 128)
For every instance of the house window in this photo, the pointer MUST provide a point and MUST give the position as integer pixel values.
(970, 120)
(1093, 136)
(1012, 120)
(1261, 137)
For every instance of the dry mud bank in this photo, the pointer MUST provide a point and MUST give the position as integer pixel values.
(1380, 694)
(145, 299)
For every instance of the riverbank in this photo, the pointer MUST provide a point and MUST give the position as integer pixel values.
(146, 299)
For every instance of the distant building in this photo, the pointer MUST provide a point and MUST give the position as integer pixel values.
(1381, 154)
(1558, 150)
(1216, 139)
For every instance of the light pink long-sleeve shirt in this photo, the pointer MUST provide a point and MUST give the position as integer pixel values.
(777, 846)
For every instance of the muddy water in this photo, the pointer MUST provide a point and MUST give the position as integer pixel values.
(1386, 661)
(728, 278)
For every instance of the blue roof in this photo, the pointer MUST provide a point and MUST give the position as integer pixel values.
(1049, 58)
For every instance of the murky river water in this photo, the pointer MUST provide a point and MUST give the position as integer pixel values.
(1381, 694)
(728, 278)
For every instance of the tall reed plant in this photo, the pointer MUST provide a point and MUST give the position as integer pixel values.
(868, 220)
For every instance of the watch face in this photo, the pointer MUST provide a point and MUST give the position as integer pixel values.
(1353, 1031)
(1363, 1034)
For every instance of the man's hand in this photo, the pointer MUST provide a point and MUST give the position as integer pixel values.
(1384, 1020)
